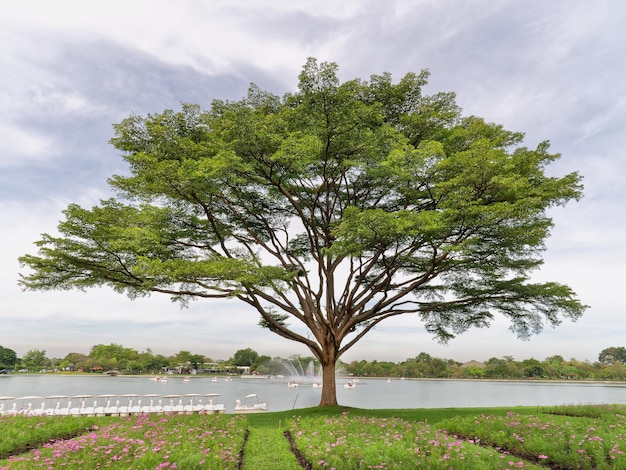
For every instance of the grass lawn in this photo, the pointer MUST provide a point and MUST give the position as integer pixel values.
(572, 437)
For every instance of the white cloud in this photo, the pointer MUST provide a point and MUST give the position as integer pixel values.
(17, 144)
(72, 68)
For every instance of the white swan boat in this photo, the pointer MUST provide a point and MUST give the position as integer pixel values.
(250, 405)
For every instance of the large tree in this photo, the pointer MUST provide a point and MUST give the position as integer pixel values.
(334, 208)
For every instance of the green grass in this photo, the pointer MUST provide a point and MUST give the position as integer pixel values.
(573, 437)
(267, 449)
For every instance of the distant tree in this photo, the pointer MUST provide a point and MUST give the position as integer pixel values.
(556, 359)
(8, 358)
(406, 368)
(616, 371)
(155, 363)
(424, 357)
(112, 356)
(34, 359)
(380, 368)
(74, 361)
(438, 367)
(554, 365)
(336, 207)
(357, 368)
(584, 369)
(495, 368)
(611, 355)
(182, 357)
(196, 360)
(245, 357)
(535, 370)
(263, 365)
(475, 372)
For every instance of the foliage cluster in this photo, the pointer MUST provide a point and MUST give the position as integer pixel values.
(553, 367)
(8, 358)
(127, 360)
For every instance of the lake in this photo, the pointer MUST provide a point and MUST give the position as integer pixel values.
(368, 393)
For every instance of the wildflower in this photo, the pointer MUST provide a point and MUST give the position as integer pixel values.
(543, 456)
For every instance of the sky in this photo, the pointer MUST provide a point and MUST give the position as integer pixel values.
(69, 70)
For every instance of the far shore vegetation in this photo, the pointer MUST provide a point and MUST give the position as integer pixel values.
(561, 437)
(113, 357)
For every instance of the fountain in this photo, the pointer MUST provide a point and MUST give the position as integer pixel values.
(297, 373)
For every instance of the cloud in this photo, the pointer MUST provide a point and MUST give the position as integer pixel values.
(18, 145)
(72, 69)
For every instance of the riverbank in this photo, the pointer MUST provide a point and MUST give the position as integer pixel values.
(339, 377)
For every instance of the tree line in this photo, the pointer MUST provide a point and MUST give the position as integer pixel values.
(102, 358)
(608, 367)
(611, 365)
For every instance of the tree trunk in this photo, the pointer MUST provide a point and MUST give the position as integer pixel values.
(329, 384)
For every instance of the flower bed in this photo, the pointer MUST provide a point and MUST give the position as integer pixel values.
(356, 442)
(146, 441)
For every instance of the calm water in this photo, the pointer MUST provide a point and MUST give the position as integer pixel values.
(369, 393)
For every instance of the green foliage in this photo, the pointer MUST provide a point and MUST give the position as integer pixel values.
(339, 206)
(426, 366)
(612, 355)
(245, 357)
(8, 358)
(34, 359)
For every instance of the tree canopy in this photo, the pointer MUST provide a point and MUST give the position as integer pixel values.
(612, 355)
(8, 358)
(333, 208)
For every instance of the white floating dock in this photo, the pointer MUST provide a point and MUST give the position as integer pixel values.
(110, 405)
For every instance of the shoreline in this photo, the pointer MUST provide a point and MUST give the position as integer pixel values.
(342, 377)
